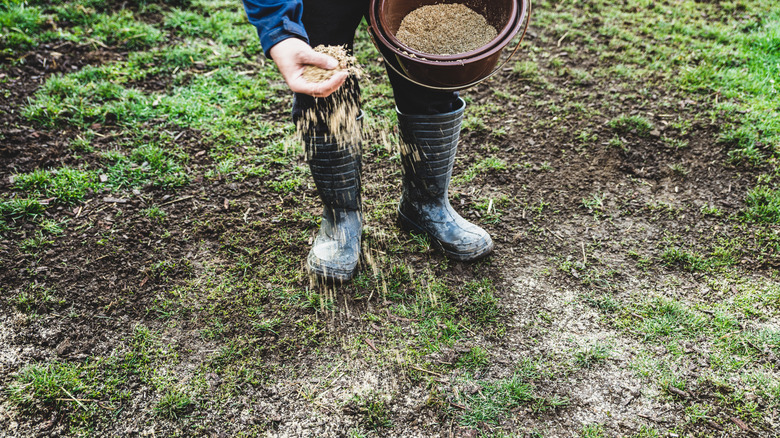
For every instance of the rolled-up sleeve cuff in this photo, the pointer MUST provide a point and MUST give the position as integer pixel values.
(289, 29)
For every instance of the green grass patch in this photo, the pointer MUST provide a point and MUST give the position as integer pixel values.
(20, 24)
(631, 124)
(692, 261)
(763, 205)
(592, 431)
(723, 53)
(228, 26)
(372, 410)
(20, 208)
(494, 400)
(146, 164)
(483, 304)
(591, 355)
(173, 404)
(86, 394)
(227, 105)
(67, 185)
(487, 164)
(489, 402)
(476, 358)
(36, 299)
(123, 30)
(40, 384)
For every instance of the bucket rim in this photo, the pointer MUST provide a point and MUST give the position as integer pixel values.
(508, 28)
(449, 60)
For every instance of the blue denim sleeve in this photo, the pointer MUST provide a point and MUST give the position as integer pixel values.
(276, 20)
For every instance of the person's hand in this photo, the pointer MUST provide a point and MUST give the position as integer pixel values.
(293, 55)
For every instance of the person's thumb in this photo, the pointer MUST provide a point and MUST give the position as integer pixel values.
(319, 59)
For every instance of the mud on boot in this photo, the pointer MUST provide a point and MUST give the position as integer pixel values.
(427, 156)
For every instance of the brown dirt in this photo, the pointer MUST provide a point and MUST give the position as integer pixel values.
(445, 29)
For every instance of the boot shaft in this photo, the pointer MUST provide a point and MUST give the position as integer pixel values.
(429, 145)
(335, 164)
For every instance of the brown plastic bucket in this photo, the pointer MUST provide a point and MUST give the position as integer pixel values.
(499, 14)
(450, 72)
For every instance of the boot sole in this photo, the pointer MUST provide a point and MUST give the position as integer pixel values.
(409, 225)
(336, 275)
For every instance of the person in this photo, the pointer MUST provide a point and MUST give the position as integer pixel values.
(429, 125)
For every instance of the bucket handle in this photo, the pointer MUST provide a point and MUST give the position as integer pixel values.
(463, 87)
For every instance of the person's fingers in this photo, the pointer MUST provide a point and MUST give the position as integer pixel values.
(332, 84)
(320, 60)
(319, 89)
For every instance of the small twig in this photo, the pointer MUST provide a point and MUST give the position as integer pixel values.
(467, 329)
(742, 425)
(74, 398)
(183, 198)
(714, 425)
(370, 344)
(426, 371)
(334, 370)
(400, 318)
(459, 406)
(554, 234)
(81, 207)
(754, 346)
(647, 417)
(677, 391)
(330, 386)
(561, 39)
(584, 256)
(98, 259)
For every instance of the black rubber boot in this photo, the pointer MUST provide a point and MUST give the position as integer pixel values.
(335, 167)
(427, 155)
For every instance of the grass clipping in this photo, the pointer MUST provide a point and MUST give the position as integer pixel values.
(339, 113)
(445, 29)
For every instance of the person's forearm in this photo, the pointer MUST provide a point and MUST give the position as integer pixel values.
(285, 41)
(276, 20)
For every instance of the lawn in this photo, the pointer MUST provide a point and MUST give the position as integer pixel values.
(156, 211)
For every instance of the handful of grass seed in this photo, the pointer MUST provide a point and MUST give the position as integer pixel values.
(343, 110)
(346, 63)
